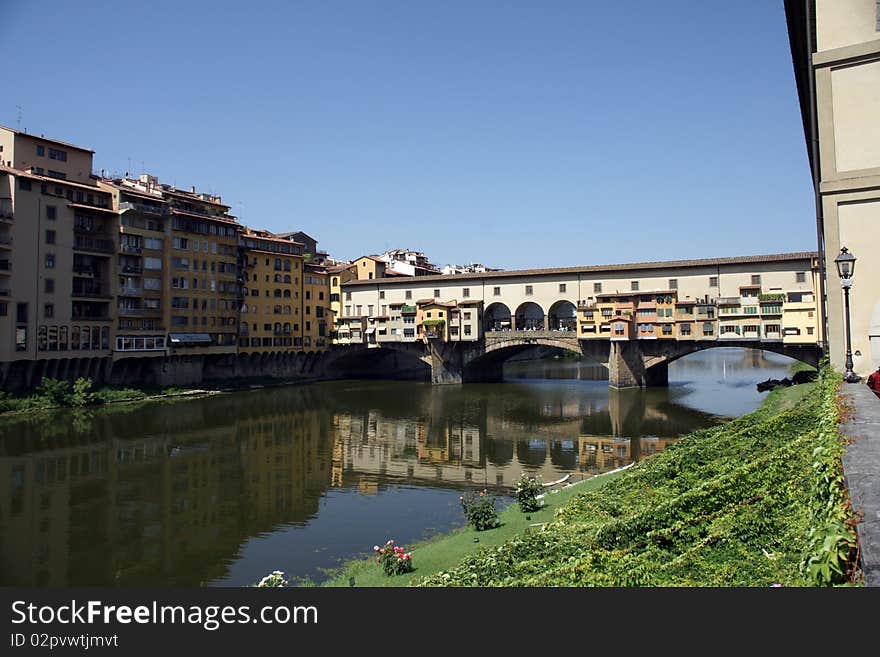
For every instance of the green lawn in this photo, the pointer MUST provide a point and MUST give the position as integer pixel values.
(443, 551)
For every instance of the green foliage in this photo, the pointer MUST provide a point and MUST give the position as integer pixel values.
(479, 509)
(394, 559)
(82, 394)
(758, 501)
(56, 392)
(527, 490)
(771, 297)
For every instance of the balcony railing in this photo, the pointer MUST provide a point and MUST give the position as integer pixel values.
(728, 301)
(131, 248)
(89, 244)
(131, 269)
(93, 293)
(126, 291)
(130, 311)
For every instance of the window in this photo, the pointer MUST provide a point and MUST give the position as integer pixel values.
(713, 281)
(369, 310)
(685, 329)
(436, 294)
(41, 150)
(562, 287)
(756, 279)
(634, 286)
(55, 154)
(597, 288)
(496, 291)
(49, 310)
(529, 290)
(153, 263)
(49, 285)
(407, 294)
(809, 330)
(50, 261)
(50, 212)
(673, 283)
(467, 329)
(800, 277)
(50, 237)
(381, 294)
(4, 309)
(466, 292)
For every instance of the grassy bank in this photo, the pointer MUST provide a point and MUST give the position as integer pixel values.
(756, 501)
(54, 394)
(433, 555)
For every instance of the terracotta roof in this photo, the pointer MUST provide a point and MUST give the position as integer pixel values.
(390, 273)
(189, 196)
(635, 266)
(133, 191)
(54, 141)
(370, 257)
(55, 181)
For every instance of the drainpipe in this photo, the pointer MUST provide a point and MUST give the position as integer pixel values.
(816, 173)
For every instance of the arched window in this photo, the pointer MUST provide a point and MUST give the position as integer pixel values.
(335, 281)
(277, 327)
(287, 327)
(244, 308)
(286, 310)
(277, 293)
(278, 278)
(287, 278)
(277, 310)
(286, 294)
(287, 265)
(243, 328)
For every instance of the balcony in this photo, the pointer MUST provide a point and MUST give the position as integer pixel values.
(92, 244)
(90, 293)
(130, 291)
(128, 206)
(131, 312)
(131, 269)
(728, 301)
(408, 310)
(5, 242)
(131, 248)
(5, 265)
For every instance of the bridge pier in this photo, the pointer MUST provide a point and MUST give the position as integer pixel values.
(627, 367)
(447, 363)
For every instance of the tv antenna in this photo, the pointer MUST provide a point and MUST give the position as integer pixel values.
(18, 107)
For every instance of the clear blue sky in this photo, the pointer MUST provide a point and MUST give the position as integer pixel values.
(518, 134)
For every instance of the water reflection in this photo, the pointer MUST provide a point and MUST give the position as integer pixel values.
(222, 490)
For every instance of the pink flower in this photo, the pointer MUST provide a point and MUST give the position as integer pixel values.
(391, 542)
(375, 548)
(381, 551)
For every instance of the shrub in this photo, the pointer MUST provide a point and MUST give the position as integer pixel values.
(82, 393)
(527, 491)
(57, 392)
(394, 559)
(479, 509)
(272, 580)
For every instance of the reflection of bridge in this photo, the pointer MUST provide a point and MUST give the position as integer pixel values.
(636, 319)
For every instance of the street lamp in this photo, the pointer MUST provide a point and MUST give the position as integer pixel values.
(846, 267)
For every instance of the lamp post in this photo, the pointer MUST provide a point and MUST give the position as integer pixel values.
(846, 267)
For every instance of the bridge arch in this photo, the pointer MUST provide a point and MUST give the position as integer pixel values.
(406, 363)
(529, 317)
(497, 317)
(562, 316)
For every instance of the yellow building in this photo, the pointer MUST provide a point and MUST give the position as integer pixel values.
(432, 319)
(202, 269)
(317, 315)
(339, 274)
(272, 294)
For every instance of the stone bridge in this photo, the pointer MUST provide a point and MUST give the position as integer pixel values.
(630, 363)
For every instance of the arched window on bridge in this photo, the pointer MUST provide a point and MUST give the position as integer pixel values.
(529, 317)
(497, 317)
(562, 316)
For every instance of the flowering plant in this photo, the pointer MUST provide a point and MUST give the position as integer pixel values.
(479, 509)
(527, 491)
(272, 580)
(395, 560)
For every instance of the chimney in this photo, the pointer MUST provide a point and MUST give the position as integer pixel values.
(193, 189)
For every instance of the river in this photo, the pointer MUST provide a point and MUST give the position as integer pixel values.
(219, 491)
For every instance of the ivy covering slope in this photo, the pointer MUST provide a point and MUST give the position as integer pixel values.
(756, 501)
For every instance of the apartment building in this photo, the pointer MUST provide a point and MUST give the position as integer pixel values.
(272, 294)
(339, 274)
(317, 314)
(58, 241)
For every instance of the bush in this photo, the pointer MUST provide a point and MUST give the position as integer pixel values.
(82, 393)
(395, 560)
(55, 391)
(527, 491)
(479, 509)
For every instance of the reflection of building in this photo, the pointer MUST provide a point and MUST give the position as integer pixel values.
(603, 453)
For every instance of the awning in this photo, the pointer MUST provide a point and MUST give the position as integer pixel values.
(189, 338)
(370, 330)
